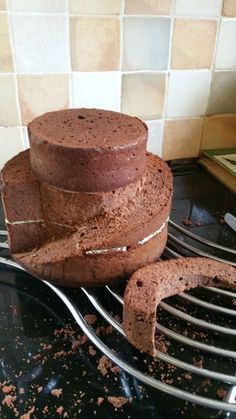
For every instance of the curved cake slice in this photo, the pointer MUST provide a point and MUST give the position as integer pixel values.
(149, 285)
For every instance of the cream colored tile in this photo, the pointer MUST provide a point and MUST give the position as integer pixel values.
(155, 136)
(42, 93)
(143, 95)
(42, 6)
(95, 7)
(182, 138)
(226, 51)
(26, 143)
(40, 43)
(6, 62)
(193, 43)
(95, 43)
(9, 114)
(229, 8)
(146, 43)
(3, 5)
(198, 7)
(188, 93)
(223, 93)
(10, 143)
(219, 132)
(97, 90)
(145, 7)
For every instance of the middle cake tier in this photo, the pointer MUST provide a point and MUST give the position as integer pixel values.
(111, 244)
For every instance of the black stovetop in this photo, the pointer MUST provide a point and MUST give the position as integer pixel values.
(38, 336)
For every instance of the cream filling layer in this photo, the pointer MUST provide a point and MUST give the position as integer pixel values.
(13, 223)
(125, 248)
(97, 251)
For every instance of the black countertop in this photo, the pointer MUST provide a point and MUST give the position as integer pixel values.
(39, 338)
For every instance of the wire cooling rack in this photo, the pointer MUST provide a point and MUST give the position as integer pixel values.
(198, 324)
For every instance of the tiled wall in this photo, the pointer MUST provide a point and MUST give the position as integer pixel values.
(170, 62)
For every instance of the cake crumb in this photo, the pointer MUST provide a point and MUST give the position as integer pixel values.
(46, 346)
(92, 351)
(8, 389)
(57, 392)
(100, 400)
(221, 393)
(186, 221)
(117, 402)
(198, 363)
(27, 415)
(9, 400)
(104, 365)
(116, 369)
(90, 318)
(60, 410)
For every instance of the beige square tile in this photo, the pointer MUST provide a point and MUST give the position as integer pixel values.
(95, 7)
(145, 7)
(193, 43)
(9, 114)
(219, 132)
(95, 43)
(155, 136)
(42, 93)
(10, 143)
(6, 62)
(188, 93)
(41, 42)
(229, 8)
(41, 6)
(97, 90)
(226, 52)
(143, 95)
(223, 93)
(182, 138)
(146, 43)
(3, 5)
(198, 8)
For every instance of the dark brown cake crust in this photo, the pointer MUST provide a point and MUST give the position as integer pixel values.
(73, 251)
(87, 150)
(149, 285)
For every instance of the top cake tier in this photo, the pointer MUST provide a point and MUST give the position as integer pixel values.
(87, 150)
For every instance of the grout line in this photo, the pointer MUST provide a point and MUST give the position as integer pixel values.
(162, 119)
(133, 16)
(15, 77)
(122, 14)
(15, 74)
(70, 85)
(169, 61)
(217, 38)
(202, 134)
(172, 70)
(212, 68)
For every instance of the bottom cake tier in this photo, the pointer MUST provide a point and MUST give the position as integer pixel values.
(126, 233)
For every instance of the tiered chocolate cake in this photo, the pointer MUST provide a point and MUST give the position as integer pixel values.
(86, 204)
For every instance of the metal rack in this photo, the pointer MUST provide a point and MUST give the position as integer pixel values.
(170, 332)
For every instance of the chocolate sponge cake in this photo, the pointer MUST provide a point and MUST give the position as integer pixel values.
(76, 238)
(87, 150)
(149, 285)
